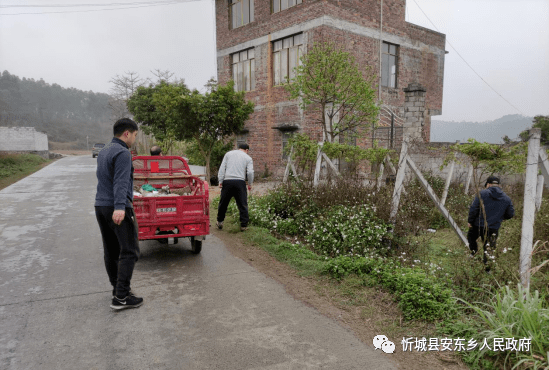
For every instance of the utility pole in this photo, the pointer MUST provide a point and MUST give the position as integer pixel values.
(87, 143)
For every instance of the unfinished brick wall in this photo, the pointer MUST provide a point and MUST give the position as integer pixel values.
(352, 24)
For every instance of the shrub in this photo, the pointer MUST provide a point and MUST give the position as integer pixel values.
(419, 296)
(354, 231)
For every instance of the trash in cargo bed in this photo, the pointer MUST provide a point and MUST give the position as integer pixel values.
(147, 190)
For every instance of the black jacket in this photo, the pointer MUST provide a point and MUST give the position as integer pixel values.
(498, 207)
(114, 176)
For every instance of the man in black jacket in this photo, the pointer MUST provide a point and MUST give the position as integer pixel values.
(115, 215)
(498, 207)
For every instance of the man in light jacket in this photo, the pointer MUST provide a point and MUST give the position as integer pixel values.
(236, 165)
(498, 207)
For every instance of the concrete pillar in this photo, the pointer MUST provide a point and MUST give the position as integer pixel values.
(529, 211)
(414, 111)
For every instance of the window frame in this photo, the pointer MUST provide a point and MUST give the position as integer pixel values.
(242, 137)
(241, 84)
(386, 74)
(233, 4)
(286, 136)
(281, 51)
(276, 5)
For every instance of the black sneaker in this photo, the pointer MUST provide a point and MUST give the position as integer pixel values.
(114, 293)
(130, 301)
(219, 225)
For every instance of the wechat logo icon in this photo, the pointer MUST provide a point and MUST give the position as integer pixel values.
(383, 343)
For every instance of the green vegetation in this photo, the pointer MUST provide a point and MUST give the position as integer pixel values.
(13, 167)
(330, 81)
(429, 275)
(541, 122)
(174, 113)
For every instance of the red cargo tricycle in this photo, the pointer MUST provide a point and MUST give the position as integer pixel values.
(184, 212)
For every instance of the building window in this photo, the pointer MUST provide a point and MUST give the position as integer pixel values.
(241, 12)
(241, 138)
(286, 54)
(244, 70)
(278, 5)
(286, 135)
(389, 62)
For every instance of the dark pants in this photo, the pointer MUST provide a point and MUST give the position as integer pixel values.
(120, 246)
(236, 189)
(489, 242)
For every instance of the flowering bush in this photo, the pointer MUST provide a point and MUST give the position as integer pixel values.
(353, 231)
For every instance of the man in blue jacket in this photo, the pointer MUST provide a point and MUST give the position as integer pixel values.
(498, 207)
(115, 214)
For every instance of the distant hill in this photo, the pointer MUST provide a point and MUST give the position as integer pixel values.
(66, 115)
(489, 131)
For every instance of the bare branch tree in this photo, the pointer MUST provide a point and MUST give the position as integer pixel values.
(123, 88)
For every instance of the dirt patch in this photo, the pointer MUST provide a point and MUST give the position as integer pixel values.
(378, 314)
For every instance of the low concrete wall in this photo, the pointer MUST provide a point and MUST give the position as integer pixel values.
(22, 139)
(429, 160)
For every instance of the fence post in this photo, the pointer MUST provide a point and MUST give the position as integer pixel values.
(433, 197)
(544, 164)
(469, 177)
(399, 181)
(330, 164)
(288, 166)
(318, 164)
(539, 192)
(529, 212)
(448, 181)
(380, 175)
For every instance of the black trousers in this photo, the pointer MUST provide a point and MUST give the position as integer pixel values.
(489, 242)
(120, 246)
(236, 189)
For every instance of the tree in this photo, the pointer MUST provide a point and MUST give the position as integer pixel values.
(329, 80)
(176, 112)
(541, 122)
(154, 119)
(123, 88)
(490, 159)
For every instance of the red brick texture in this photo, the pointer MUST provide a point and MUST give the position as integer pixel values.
(353, 24)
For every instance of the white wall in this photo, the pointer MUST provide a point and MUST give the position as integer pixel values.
(22, 139)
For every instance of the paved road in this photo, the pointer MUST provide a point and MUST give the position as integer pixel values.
(207, 311)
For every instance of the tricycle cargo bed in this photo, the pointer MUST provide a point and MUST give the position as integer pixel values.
(183, 213)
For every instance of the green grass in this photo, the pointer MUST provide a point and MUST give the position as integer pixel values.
(304, 261)
(14, 167)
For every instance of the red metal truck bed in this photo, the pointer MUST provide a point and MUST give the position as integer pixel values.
(179, 216)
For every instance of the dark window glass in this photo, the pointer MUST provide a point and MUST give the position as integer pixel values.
(243, 67)
(242, 12)
(286, 54)
(278, 5)
(389, 63)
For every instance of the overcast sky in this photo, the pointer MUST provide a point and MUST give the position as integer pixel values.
(505, 41)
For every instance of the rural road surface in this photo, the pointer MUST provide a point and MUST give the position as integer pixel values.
(206, 311)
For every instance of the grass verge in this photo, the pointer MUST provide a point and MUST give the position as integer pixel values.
(366, 307)
(14, 167)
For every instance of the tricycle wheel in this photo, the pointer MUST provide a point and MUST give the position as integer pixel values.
(196, 245)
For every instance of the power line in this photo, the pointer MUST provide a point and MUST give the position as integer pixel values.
(472, 69)
(79, 5)
(98, 10)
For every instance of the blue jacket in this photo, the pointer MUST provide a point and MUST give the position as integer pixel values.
(114, 176)
(498, 207)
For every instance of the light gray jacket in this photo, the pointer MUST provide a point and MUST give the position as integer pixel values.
(236, 164)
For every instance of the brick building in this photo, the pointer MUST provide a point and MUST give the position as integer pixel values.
(260, 41)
